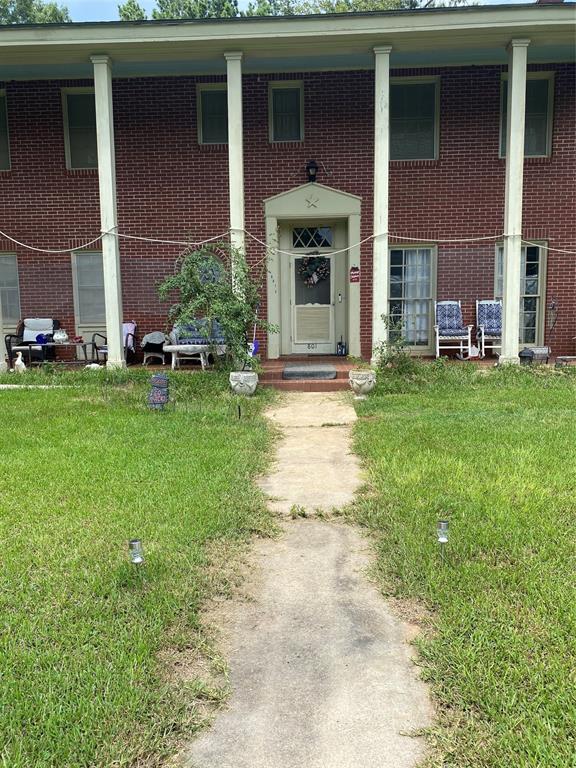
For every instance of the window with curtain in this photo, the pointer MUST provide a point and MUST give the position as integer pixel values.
(538, 117)
(531, 291)
(411, 294)
(286, 113)
(89, 288)
(213, 122)
(413, 121)
(4, 141)
(9, 289)
(82, 150)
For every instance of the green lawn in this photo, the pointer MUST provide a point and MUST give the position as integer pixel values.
(84, 468)
(495, 453)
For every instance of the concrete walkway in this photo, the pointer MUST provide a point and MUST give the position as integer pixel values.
(320, 669)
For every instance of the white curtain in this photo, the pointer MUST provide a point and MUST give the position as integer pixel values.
(416, 295)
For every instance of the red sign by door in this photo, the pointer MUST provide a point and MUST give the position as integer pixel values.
(354, 274)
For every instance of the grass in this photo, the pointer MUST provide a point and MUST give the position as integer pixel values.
(493, 452)
(85, 467)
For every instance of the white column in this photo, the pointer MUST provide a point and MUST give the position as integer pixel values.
(380, 267)
(2, 342)
(235, 148)
(517, 59)
(108, 212)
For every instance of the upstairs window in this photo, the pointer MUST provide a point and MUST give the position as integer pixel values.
(286, 111)
(80, 129)
(4, 142)
(212, 101)
(538, 130)
(9, 289)
(414, 120)
(88, 275)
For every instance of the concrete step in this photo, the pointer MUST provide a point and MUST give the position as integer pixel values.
(308, 385)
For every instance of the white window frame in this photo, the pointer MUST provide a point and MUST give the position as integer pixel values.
(419, 348)
(436, 80)
(82, 327)
(548, 75)
(276, 85)
(64, 94)
(200, 88)
(541, 297)
(9, 325)
(3, 94)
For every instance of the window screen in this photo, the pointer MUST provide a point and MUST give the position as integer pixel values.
(4, 143)
(90, 289)
(81, 109)
(413, 121)
(286, 118)
(536, 138)
(411, 293)
(531, 291)
(214, 116)
(9, 289)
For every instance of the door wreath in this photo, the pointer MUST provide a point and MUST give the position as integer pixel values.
(313, 269)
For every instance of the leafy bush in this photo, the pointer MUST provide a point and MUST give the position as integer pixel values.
(215, 282)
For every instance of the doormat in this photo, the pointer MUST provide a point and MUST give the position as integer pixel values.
(309, 371)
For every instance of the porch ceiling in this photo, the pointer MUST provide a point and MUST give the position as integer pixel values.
(434, 37)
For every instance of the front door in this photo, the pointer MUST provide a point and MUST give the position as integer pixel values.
(312, 302)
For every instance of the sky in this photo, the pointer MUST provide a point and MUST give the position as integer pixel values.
(107, 10)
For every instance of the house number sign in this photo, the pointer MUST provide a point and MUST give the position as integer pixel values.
(354, 274)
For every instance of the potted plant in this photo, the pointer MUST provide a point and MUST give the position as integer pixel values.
(215, 282)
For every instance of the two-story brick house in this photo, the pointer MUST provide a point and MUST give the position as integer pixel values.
(443, 140)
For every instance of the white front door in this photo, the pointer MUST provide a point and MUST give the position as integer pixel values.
(312, 303)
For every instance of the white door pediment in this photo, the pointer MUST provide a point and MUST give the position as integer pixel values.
(312, 200)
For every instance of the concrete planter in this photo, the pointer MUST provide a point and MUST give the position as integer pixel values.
(362, 382)
(243, 382)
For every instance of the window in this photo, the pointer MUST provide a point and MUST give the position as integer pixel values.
(312, 237)
(9, 289)
(212, 101)
(4, 141)
(414, 120)
(412, 272)
(80, 128)
(532, 278)
(286, 111)
(538, 130)
(88, 276)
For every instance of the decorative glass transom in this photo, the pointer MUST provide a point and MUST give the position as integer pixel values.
(312, 237)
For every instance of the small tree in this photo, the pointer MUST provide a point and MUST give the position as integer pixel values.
(215, 282)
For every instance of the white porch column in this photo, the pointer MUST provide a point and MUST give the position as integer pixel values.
(108, 213)
(2, 342)
(380, 268)
(517, 59)
(235, 148)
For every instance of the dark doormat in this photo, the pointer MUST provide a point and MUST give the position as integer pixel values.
(309, 371)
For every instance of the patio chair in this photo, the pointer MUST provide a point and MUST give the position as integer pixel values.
(25, 337)
(488, 325)
(450, 331)
(100, 350)
(196, 341)
(152, 346)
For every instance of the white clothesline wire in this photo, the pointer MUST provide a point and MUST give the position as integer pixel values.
(224, 235)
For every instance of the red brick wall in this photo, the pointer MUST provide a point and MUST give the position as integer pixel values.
(170, 187)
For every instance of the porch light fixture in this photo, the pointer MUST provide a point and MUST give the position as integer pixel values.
(312, 170)
(136, 551)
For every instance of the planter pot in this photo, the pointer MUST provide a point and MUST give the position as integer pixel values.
(362, 382)
(243, 382)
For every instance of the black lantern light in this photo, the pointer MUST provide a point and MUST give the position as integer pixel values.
(312, 170)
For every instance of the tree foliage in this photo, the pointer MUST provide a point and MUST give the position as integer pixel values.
(32, 12)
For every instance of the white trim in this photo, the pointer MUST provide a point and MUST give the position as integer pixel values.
(200, 88)
(417, 80)
(5, 97)
(65, 92)
(540, 75)
(277, 85)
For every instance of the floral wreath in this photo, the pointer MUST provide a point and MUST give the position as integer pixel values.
(313, 269)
